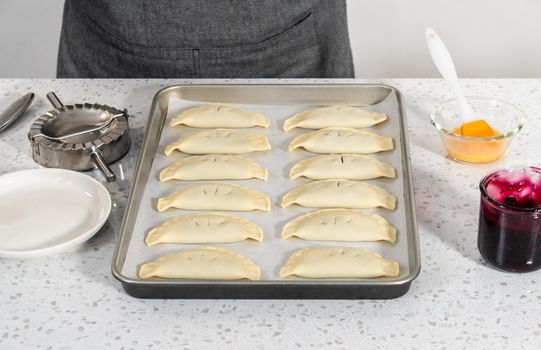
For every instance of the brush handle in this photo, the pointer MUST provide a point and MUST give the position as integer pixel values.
(443, 61)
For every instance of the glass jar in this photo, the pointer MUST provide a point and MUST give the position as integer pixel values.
(509, 236)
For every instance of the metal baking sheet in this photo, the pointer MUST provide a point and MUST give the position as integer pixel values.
(277, 102)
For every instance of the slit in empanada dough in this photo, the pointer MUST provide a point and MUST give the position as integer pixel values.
(208, 263)
(342, 140)
(347, 225)
(339, 194)
(214, 167)
(341, 116)
(222, 141)
(341, 166)
(205, 228)
(220, 116)
(214, 196)
(338, 262)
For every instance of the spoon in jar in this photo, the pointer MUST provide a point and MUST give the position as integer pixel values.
(443, 61)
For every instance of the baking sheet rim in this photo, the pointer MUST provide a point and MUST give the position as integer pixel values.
(158, 102)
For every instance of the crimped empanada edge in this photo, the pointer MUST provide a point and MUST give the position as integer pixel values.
(173, 146)
(288, 268)
(292, 122)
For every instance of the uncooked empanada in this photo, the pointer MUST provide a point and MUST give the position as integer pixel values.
(341, 166)
(220, 141)
(346, 225)
(338, 262)
(220, 116)
(339, 194)
(208, 263)
(325, 117)
(214, 167)
(205, 228)
(212, 196)
(342, 140)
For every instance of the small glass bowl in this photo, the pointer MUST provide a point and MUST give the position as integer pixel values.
(502, 116)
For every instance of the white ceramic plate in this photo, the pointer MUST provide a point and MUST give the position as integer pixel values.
(46, 211)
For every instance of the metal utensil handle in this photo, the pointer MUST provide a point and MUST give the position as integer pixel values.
(55, 101)
(113, 117)
(15, 110)
(102, 165)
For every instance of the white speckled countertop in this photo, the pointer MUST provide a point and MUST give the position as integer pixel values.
(71, 301)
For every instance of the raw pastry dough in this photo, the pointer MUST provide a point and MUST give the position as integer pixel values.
(342, 140)
(220, 141)
(204, 228)
(220, 116)
(212, 196)
(339, 194)
(341, 166)
(338, 262)
(214, 167)
(207, 263)
(346, 225)
(324, 117)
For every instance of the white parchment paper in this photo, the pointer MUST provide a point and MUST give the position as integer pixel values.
(272, 253)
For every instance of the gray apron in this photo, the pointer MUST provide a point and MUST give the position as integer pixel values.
(204, 39)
